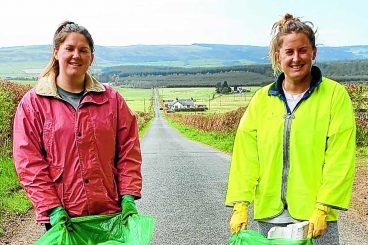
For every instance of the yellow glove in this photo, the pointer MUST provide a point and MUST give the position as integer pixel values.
(239, 219)
(317, 222)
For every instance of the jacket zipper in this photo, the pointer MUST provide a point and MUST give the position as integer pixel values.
(289, 116)
(285, 170)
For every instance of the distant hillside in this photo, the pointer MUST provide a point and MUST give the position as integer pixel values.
(25, 60)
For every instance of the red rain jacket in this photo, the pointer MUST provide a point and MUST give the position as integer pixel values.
(81, 159)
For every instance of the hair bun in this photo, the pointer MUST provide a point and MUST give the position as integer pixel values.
(288, 17)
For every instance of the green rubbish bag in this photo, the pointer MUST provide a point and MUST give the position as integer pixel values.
(101, 229)
(249, 237)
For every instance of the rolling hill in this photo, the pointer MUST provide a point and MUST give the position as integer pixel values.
(26, 60)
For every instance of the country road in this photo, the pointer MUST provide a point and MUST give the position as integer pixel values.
(183, 188)
(184, 185)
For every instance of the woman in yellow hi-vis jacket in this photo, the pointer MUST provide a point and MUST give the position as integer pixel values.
(294, 152)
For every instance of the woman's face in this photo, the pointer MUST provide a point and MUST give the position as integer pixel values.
(74, 56)
(295, 56)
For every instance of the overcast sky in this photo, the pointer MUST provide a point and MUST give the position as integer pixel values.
(127, 22)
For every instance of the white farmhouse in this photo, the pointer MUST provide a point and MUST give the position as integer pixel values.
(179, 104)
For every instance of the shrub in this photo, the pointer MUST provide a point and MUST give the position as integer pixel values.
(10, 95)
(359, 96)
(361, 132)
(143, 118)
(225, 122)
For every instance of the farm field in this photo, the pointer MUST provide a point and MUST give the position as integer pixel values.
(137, 99)
(216, 103)
(30, 82)
(21, 69)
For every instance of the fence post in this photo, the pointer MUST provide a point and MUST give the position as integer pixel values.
(209, 102)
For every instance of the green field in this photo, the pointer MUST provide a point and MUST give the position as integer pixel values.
(30, 82)
(27, 70)
(215, 102)
(137, 99)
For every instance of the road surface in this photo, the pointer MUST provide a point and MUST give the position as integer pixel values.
(184, 185)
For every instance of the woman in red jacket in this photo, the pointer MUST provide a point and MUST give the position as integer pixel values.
(76, 147)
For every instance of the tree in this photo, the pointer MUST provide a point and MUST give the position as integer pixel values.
(225, 88)
(218, 87)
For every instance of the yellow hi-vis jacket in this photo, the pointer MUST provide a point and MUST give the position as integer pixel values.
(311, 151)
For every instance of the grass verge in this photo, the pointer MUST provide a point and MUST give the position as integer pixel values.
(145, 127)
(12, 197)
(221, 141)
(362, 155)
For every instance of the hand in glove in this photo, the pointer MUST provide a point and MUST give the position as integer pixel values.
(59, 215)
(128, 206)
(317, 222)
(239, 219)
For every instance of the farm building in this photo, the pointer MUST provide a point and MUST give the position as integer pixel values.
(179, 104)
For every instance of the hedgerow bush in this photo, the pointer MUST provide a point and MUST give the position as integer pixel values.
(143, 118)
(10, 95)
(225, 122)
(359, 96)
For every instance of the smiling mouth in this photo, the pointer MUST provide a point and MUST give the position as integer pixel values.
(296, 67)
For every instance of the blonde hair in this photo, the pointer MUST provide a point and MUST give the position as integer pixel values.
(286, 25)
(59, 37)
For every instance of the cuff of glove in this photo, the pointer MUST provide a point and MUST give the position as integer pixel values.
(55, 210)
(128, 198)
(241, 206)
(324, 208)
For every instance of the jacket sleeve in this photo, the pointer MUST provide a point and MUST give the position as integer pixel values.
(30, 164)
(339, 166)
(128, 157)
(244, 168)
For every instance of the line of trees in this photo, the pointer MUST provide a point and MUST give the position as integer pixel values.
(246, 75)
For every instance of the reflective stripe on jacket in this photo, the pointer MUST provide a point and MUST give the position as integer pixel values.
(317, 150)
(81, 159)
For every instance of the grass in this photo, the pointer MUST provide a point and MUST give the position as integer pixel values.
(137, 99)
(29, 82)
(21, 69)
(228, 102)
(221, 141)
(144, 128)
(13, 198)
(11, 191)
(362, 155)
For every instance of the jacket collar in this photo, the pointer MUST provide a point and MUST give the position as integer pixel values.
(46, 86)
(276, 87)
